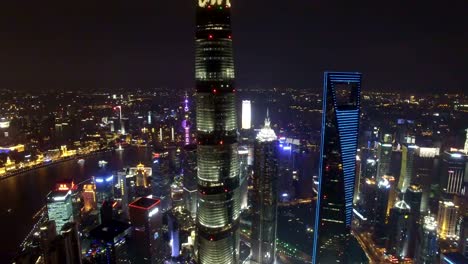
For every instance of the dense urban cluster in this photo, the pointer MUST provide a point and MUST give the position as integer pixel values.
(224, 174)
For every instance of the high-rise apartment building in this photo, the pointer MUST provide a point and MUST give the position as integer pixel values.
(337, 171)
(218, 165)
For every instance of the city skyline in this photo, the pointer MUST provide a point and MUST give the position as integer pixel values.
(146, 44)
(162, 175)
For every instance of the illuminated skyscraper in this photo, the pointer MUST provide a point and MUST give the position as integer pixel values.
(59, 208)
(406, 173)
(427, 251)
(398, 230)
(452, 173)
(413, 197)
(447, 219)
(218, 165)
(265, 196)
(246, 114)
(337, 171)
(71, 241)
(189, 168)
(161, 178)
(89, 197)
(384, 190)
(104, 188)
(384, 155)
(147, 221)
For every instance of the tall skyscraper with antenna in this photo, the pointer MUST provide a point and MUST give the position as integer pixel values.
(337, 171)
(218, 165)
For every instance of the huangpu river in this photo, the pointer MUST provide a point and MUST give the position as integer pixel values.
(22, 195)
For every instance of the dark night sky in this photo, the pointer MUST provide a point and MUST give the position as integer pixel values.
(398, 45)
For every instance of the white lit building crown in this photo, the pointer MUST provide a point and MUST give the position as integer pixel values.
(266, 134)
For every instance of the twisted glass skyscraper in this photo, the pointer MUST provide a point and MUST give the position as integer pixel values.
(337, 171)
(218, 166)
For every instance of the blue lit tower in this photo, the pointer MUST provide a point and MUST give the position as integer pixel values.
(218, 165)
(337, 171)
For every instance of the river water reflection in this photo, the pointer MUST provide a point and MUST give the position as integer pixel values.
(23, 195)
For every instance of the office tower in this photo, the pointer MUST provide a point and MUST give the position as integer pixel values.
(104, 188)
(246, 114)
(107, 210)
(161, 178)
(452, 172)
(218, 166)
(47, 234)
(463, 236)
(69, 185)
(141, 175)
(406, 173)
(370, 169)
(340, 125)
(147, 221)
(381, 204)
(424, 172)
(264, 196)
(89, 197)
(59, 208)
(123, 191)
(71, 241)
(398, 230)
(368, 200)
(189, 170)
(177, 195)
(384, 155)
(244, 175)
(109, 242)
(413, 197)
(447, 219)
(427, 250)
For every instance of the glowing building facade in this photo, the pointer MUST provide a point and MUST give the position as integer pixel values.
(60, 208)
(447, 219)
(89, 197)
(427, 251)
(398, 230)
(147, 221)
(218, 165)
(453, 170)
(337, 171)
(406, 173)
(265, 196)
(246, 114)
